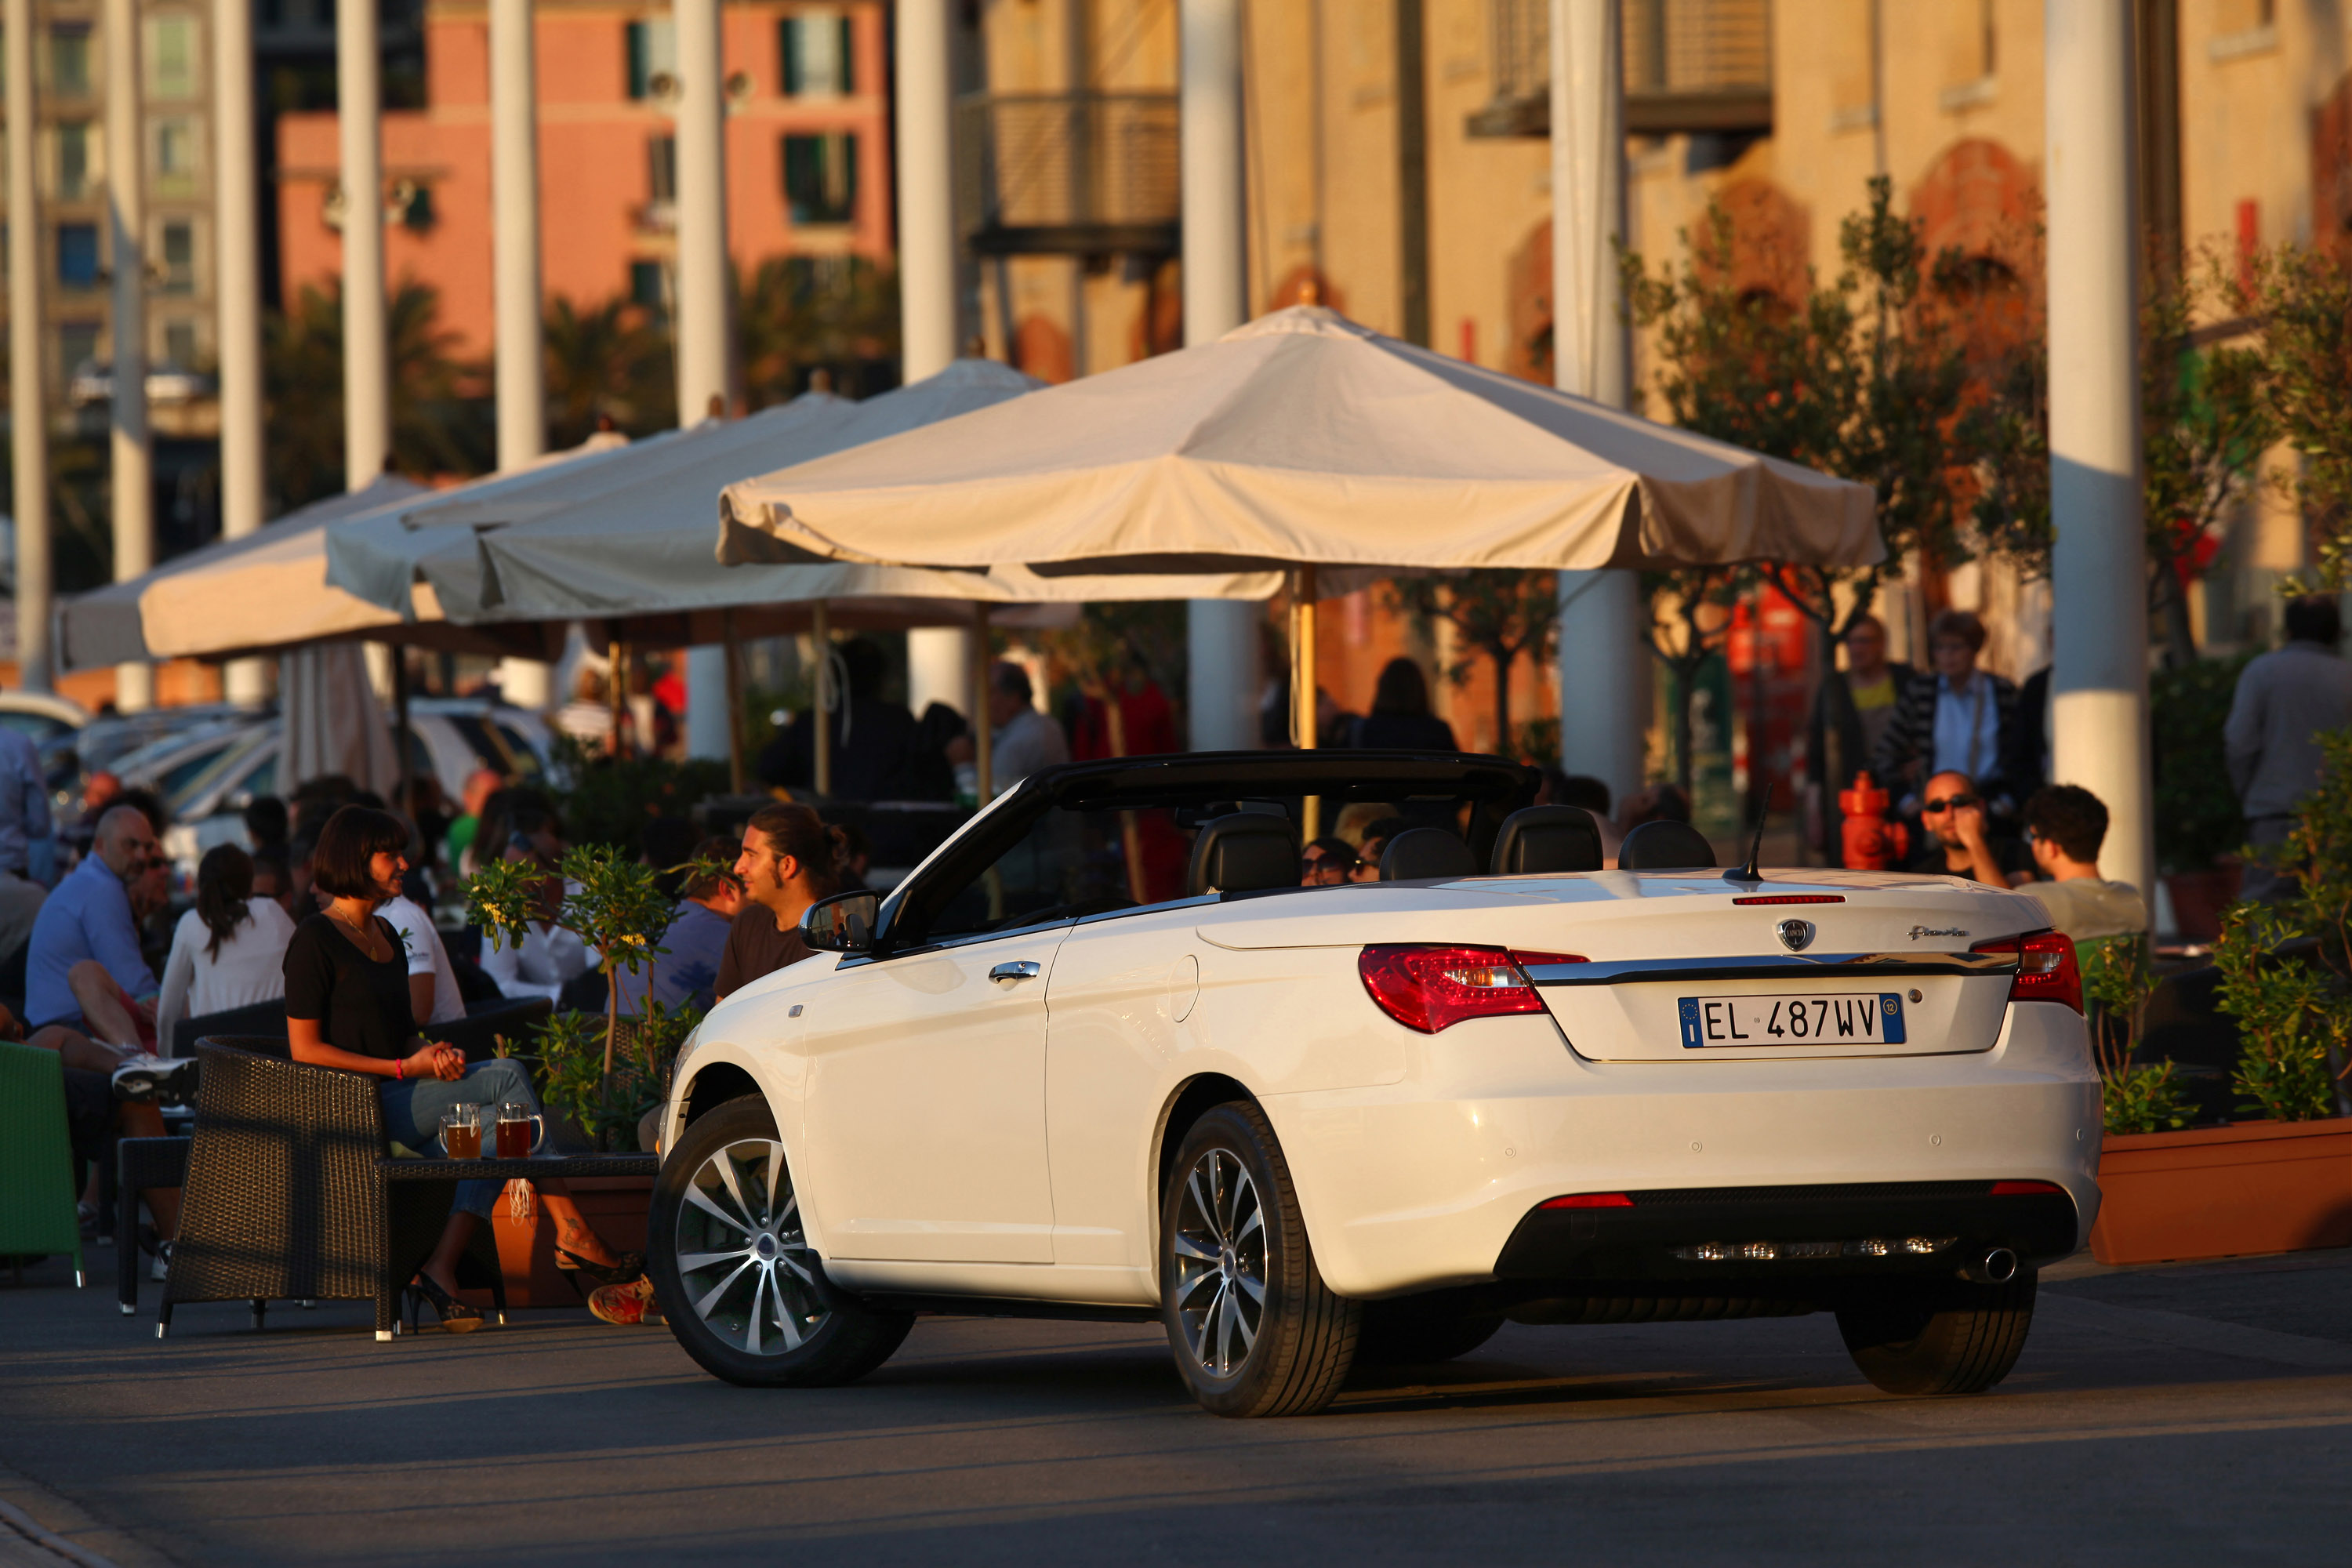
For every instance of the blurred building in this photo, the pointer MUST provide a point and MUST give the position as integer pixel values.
(807, 150)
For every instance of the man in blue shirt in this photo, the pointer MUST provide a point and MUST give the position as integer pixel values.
(85, 970)
(686, 970)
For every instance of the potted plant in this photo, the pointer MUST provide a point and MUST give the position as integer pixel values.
(2279, 1180)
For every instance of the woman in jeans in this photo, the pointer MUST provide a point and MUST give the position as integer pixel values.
(347, 1006)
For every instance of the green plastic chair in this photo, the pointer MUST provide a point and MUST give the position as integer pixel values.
(37, 1190)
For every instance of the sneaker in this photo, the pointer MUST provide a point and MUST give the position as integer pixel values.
(161, 1269)
(86, 1218)
(626, 1305)
(150, 1077)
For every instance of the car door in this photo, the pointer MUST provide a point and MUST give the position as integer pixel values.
(926, 1103)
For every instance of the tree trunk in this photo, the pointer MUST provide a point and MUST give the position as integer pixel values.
(2179, 636)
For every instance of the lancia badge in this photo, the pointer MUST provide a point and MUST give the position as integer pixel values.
(1794, 934)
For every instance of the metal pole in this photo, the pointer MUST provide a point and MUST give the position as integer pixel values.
(2098, 570)
(1222, 637)
(1302, 689)
(734, 701)
(400, 800)
(367, 349)
(1601, 613)
(133, 484)
(983, 727)
(27, 387)
(617, 691)
(701, 298)
(237, 282)
(821, 688)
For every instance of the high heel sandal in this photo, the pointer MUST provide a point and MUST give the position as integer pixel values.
(457, 1318)
(631, 1267)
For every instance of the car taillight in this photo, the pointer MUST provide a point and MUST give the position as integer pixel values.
(2025, 1189)
(1431, 987)
(2046, 970)
(1589, 1201)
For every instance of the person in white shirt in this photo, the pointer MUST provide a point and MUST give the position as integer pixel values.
(2065, 826)
(229, 951)
(432, 995)
(1022, 740)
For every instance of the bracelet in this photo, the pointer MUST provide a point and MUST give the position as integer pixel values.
(399, 1069)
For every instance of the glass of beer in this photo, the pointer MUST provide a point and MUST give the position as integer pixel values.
(461, 1132)
(516, 1135)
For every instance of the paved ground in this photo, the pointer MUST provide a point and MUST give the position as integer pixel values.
(2178, 1416)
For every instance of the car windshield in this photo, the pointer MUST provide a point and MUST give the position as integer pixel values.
(1044, 859)
(223, 763)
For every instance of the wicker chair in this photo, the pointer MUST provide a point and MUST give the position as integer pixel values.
(140, 1164)
(291, 1194)
(286, 1199)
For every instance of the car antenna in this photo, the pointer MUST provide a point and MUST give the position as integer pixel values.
(1753, 871)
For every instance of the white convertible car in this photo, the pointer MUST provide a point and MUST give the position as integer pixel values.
(1101, 1057)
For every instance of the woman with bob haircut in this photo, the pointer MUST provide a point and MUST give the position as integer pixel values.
(347, 1006)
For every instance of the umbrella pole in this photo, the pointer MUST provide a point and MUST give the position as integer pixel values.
(400, 730)
(734, 703)
(820, 710)
(616, 689)
(982, 732)
(1302, 689)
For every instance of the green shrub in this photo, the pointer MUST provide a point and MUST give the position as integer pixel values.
(2197, 814)
(611, 798)
(2116, 981)
(2292, 1018)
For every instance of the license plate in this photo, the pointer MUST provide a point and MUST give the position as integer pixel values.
(1719, 1021)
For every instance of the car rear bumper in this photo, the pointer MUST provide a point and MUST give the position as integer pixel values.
(1437, 1181)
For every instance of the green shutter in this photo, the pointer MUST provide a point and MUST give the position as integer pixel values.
(846, 54)
(640, 62)
(788, 39)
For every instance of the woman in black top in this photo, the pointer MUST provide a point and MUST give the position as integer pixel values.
(1400, 718)
(347, 1006)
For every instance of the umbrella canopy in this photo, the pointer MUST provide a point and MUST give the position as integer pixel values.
(1299, 439)
(627, 541)
(333, 724)
(265, 590)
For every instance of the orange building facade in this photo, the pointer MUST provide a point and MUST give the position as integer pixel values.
(808, 155)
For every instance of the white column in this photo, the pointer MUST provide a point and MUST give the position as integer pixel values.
(1601, 613)
(701, 300)
(237, 284)
(1222, 636)
(521, 368)
(367, 349)
(134, 484)
(27, 347)
(939, 659)
(514, 238)
(2098, 570)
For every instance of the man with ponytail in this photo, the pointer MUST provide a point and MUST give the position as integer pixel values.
(786, 866)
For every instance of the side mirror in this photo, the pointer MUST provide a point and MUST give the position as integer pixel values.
(842, 923)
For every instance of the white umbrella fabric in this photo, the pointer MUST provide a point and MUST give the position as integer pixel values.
(1301, 439)
(333, 724)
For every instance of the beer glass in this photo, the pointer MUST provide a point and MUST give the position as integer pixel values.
(516, 1125)
(461, 1132)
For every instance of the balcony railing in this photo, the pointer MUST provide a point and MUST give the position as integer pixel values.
(1068, 174)
(1690, 65)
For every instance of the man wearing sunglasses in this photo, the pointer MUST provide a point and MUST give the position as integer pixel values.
(1327, 863)
(1960, 844)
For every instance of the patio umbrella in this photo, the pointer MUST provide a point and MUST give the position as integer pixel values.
(627, 542)
(333, 724)
(1301, 440)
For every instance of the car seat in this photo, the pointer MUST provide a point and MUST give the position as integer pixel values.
(1244, 852)
(1424, 852)
(1666, 847)
(1547, 839)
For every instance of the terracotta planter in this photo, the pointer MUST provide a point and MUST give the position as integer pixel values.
(2200, 896)
(2225, 1192)
(616, 1205)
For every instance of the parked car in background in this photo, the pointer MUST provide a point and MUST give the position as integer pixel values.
(43, 717)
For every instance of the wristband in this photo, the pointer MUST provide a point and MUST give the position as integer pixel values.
(399, 1067)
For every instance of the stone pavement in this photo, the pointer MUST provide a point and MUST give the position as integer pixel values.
(2187, 1414)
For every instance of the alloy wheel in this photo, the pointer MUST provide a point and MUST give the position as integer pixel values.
(1220, 1246)
(748, 1271)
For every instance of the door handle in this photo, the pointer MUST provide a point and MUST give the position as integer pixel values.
(1015, 969)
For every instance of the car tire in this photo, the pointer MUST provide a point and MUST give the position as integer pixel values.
(738, 1283)
(1411, 1332)
(1254, 1329)
(1940, 1338)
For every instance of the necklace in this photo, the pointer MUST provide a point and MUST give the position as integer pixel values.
(362, 930)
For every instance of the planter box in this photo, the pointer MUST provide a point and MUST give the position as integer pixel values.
(2224, 1192)
(2200, 896)
(616, 1205)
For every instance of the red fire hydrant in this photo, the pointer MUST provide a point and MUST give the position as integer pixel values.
(1872, 843)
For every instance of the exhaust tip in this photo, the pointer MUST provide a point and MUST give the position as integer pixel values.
(1997, 1267)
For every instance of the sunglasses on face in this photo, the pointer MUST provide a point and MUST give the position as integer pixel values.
(1949, 803)
(1346, 862)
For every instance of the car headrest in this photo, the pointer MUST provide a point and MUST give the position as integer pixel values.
(1242, 853)
(1666, 847)
(1547, 839)
(1421, 852)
